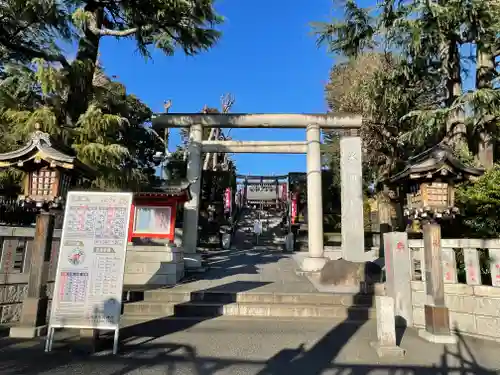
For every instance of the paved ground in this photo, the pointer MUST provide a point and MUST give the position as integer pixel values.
(247, 267)
(237, 346)
(254, 347)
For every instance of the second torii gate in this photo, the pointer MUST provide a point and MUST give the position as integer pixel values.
(353, 245)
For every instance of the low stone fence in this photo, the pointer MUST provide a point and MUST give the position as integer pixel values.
(474, 307)
(144, 265)
(15, 245)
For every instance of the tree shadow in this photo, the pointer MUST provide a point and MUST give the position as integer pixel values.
(171, 358)
(210, 305)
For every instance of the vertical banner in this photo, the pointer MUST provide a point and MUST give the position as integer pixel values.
(284, 193)
(228, 201)
(294, 208)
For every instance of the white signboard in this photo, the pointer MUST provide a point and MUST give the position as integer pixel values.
(89, 279)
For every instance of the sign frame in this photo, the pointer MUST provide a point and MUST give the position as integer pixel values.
(120, 269)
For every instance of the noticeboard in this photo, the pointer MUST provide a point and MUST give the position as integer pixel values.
(89, 279)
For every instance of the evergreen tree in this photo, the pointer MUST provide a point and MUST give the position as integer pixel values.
(74, 101)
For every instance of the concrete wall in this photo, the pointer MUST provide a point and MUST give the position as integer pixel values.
(474, 310)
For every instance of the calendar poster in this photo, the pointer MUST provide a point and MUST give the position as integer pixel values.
(89, 278)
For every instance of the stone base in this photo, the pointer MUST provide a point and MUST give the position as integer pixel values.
(392, 351)
(289, 242)
(437, 320)
(313, 264)
(27, 332)
(192, 261)
(437, 339)
(89, 341)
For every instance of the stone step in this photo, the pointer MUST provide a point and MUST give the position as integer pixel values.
(204, 309)
(175, 322)
(166, 295)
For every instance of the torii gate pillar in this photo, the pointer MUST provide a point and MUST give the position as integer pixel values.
(192, 259)
(315, 260)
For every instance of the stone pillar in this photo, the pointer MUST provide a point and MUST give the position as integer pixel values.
(315, 261)
(192, 207)
(386, 345)
(398, 276)
(437, 319)
(33, 320)
(353, 234)
(384, 218)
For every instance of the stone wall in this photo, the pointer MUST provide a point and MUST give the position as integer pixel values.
(15, 247)
(144, 265)
(474, 310)
(153, 265)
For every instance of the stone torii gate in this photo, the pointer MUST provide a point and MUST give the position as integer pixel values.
(350, 165)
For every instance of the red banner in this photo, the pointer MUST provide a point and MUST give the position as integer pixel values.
(228, 201)
(284, 192)
(294, 208)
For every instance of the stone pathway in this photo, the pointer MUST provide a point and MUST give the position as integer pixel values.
(247, 267)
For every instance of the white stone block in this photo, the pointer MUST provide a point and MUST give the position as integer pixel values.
(459, 303)
(464, 322)
(418, 317)
(143, 279)
(486, 291)
(152, 257)
(495, 267)
(386, 323)
(487, 306)
(437, 339)
(162, 268)
(386, 329)
(488, 326)
(449, 266)
(418, 299)
(473, 272)
(398, 273)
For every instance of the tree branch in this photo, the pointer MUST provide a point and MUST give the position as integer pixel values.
(117, 33)
(33, 53)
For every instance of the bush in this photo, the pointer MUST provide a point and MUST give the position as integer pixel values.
(479, 203)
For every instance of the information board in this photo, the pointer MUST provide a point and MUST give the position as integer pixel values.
(89, 279)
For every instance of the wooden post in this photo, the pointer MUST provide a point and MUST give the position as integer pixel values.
(437, 320)
(33, 321)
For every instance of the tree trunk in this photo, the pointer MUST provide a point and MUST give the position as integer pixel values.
(83, 68)
(485, 73)
(455, 129)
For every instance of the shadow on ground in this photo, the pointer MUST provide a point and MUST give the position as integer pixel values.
(155, 358)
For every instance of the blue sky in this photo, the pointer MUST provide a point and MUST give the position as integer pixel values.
(267, 58)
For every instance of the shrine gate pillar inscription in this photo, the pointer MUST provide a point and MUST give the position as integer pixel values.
(191, 207)
(315, 261)
(353, 233)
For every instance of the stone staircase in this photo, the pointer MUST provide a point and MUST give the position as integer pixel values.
(161, 303)
(269, 288)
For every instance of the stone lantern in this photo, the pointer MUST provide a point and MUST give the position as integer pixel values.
(427, 183)
(427, 188)
(50, 170)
